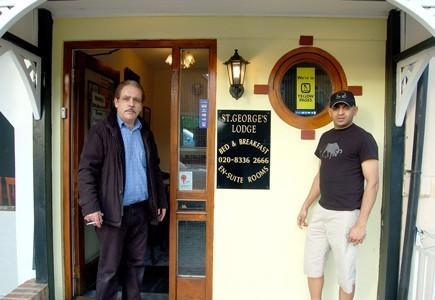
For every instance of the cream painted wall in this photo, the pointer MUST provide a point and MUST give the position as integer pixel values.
(161, 114)
(258, 248)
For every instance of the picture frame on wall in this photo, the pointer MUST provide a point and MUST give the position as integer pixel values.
(146, 114)
(99, 97)
(129, 74)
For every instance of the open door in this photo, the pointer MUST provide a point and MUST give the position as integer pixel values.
(93, 91)
(184, 127)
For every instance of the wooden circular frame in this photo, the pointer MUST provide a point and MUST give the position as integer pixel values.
(302, 55)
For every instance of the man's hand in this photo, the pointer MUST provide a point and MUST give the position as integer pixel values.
(312, 196)
(302, 218)
(161, 213)
(95, 219)
(357, 234)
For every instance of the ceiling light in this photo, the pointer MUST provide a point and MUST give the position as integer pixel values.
(187, 60)
(169, 60)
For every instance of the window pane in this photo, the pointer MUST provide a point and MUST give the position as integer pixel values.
(191, 248)
(193, 119)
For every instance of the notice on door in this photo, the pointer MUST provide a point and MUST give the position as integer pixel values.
(243, 149)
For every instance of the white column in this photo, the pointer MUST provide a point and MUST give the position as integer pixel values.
(426, 210)
(16, 106)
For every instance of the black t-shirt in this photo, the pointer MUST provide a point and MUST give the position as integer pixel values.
(341, 179)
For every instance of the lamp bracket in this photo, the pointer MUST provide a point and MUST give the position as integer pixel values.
(236, 90)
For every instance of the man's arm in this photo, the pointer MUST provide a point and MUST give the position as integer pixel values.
(313, 194)
(371, 175)
(89, 172)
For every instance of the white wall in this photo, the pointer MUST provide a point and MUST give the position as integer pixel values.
(15, 106)
(412, 32)
(27, 28)
(8, 252)
(426, 209)
(422, 260)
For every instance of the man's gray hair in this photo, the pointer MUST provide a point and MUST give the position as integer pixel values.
(126, 83)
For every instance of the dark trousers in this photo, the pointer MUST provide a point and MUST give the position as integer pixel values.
(122, 255)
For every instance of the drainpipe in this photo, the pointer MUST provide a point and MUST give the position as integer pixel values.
(414, 188)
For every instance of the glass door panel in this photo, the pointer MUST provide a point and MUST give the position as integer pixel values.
(191, 248)
(193, 152)
(193, 114)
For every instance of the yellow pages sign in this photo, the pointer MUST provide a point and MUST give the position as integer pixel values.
(305, 95)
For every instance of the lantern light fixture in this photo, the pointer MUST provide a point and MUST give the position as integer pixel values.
(236, 67)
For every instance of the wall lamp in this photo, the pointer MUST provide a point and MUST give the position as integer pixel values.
(236, 67)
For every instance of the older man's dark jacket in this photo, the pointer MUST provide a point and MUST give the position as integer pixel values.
(101, 174)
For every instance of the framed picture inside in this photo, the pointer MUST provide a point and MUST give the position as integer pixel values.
(146, 114)
(100, 92)
(129, 74)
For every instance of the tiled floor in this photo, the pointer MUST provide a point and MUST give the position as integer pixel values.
(144, 296)
(155, 283)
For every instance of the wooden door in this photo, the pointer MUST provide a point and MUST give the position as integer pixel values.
(93, 90)
(192, 173)
(191, 204)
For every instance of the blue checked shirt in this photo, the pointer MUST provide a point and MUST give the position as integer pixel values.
(136, 187)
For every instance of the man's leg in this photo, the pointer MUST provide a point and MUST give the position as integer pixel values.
(315, 285)
(111, 240)
(316, 249)
(346, 296)
(343, 251)
(134, 252)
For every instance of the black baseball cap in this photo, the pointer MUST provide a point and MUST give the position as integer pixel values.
(345, 97)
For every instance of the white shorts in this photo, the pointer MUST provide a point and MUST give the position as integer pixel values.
(328, 230)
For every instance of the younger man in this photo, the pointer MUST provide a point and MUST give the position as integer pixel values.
(348, 158)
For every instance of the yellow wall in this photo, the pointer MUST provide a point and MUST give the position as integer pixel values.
(160, 116)
(258, 248)
(127, 58)
(156, 84)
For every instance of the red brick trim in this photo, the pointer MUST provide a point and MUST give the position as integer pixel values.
(29, 290)
(306, 40)
(308, 134)
(357, 90)
(261, 89)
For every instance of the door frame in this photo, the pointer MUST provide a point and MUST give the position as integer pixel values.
(67, 159)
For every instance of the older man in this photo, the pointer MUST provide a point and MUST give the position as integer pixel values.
(121, 191)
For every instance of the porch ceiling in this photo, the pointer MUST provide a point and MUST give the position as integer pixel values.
(318, 8)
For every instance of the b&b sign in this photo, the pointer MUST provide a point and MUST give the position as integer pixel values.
(243, 149)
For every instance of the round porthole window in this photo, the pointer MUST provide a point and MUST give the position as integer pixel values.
(300, 85)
